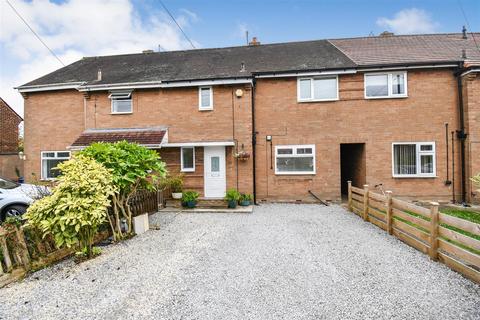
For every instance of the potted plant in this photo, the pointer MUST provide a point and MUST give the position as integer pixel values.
(245, 199)
(189, 199)
(176, 186)
(232, 197)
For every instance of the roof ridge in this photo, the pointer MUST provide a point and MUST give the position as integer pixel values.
(207, 49)
(404, 35)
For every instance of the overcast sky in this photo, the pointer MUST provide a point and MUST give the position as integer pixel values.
(77, 28)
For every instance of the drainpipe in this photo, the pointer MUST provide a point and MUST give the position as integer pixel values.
(461, 134)
(254, 143)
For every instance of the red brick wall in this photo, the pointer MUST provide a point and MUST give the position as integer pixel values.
(9, 122)
(472, 123)
(8, 164)
(432, 101)
(54, 119)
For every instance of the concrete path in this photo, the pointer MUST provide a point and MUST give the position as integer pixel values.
(281, 262)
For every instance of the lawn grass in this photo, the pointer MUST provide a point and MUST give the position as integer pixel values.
(469, 215)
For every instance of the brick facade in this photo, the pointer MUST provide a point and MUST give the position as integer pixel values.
(9, 135)
(431, 102)
(55, 119)
(9, 121)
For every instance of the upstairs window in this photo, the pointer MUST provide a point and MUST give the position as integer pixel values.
(317, 89)
(50, 160)
(414, 159)
(298, 159)
(386, 85)
(187, 160)
(205, 98)
(121, 102)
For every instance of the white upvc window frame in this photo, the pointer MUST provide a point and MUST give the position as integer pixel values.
(123, 95)
(209, 107)
(390, 74)
(295, 155)
(55, 157)
(183, 169)
(312, 79)
(418, 154)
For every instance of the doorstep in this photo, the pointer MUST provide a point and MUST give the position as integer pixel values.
(238, 209)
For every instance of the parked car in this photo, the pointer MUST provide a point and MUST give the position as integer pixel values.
(15, 198)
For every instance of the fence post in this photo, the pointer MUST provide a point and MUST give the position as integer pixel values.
(365, 202)
(389, 211)
(434, 230)
(6, 253)
(349, 195)
(23, 248)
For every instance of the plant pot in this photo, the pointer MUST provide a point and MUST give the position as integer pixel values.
(232, 204)
(245, 203)
(190, 204)
(176, 195)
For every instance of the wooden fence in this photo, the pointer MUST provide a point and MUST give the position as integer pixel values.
(144, 201)
(22, 249)
(445, 238)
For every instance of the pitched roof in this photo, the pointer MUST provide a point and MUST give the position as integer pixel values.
(201, 64)
(3, 102)
(143, 136)
(224, 63)
(427, 48)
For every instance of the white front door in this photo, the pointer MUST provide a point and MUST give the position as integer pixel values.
(215, 178)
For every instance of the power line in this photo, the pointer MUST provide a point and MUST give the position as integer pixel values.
(171, 16)
(33, 31)
(468, 24)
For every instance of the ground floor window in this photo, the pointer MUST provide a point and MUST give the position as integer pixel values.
(414, 159)
(50, 160)
(295, 159)
(187, 158)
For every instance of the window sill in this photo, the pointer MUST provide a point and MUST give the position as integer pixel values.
(120, 113)
(205, 109)
(386, 97)
(295, 173)
(317, 100)
(187, 170)
(414, 177)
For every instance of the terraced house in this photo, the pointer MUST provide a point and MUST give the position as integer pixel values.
(278, 120)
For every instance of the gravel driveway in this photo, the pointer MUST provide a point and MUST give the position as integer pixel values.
(281, 262)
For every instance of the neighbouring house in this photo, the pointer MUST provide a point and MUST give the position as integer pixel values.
(10, 163)
(278, 120)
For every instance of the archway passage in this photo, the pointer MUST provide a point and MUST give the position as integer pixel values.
(353, 165)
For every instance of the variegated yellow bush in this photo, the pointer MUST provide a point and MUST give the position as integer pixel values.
(78, 203)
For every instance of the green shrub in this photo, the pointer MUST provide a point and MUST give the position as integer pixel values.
(245, 197)
(77, 206)
(190, 196)
(175, 183)
(133, 167)
(232, 195)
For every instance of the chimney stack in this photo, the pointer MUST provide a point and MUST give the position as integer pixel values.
(464, 32)
(99, 75)
(148, 51)
(386, 34)
(254, 42)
